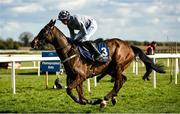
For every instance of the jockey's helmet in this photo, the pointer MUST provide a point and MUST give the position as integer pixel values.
(64, 15)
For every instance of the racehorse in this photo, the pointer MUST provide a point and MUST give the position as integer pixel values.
(121, 54)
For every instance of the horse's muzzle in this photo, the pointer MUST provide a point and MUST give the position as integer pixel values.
(34, 43)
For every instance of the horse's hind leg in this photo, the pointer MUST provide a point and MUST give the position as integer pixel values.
(119, 80)
(113, 99)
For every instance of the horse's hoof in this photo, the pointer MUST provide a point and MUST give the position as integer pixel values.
(103, 104)
(148, 79)
(114, 100)
(144, 78)
(94, 102)
(83, 102)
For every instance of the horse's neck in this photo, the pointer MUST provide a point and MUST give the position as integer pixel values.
(61, 43)
(60, 40)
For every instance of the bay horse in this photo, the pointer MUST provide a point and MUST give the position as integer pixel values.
(121, 54)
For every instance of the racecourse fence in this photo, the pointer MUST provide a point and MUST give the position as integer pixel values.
(36, 64)
(13, 59)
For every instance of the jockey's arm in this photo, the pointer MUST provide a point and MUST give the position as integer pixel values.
(72, 33)
(82, 32)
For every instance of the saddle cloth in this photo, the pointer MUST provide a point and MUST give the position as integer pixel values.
(102, 48)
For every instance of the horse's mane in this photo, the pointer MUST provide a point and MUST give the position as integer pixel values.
(67, 38)
(59, 31)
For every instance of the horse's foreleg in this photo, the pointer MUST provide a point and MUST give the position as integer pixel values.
(101, 76)
(80, 92)
(76, 83)
(83, 100)
(69, 90)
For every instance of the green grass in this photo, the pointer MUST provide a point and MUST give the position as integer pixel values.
(136, 95)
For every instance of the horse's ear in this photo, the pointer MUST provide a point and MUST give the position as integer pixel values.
(52, 23)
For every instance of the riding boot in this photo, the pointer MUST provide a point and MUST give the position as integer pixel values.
(92, 48)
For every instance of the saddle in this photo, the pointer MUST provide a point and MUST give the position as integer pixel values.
(102, 48)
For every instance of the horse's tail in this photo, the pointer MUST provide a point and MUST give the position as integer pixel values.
(147, 61)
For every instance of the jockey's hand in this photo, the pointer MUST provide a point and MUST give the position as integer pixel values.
(76, 42)
(71, 39)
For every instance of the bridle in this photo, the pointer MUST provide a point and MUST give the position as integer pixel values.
(44, 38)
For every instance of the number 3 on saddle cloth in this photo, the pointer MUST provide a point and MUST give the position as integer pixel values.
(102, 48)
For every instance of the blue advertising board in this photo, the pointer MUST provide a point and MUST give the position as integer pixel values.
(50, 66)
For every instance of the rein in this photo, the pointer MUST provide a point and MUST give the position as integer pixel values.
(69, 58)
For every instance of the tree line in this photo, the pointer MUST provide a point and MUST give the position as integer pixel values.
(26, 37)
(9, 43)
(145, 43)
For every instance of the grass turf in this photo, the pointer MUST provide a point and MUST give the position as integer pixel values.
(136, 95)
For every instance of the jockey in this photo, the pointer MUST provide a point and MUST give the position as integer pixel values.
(87, 26)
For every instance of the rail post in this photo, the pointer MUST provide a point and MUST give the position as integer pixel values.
(95, 81)
(13, 73)
(89, 86)
(136, 66)
(154, 74)
(176, 70)
(168, 62)
(39, 68)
